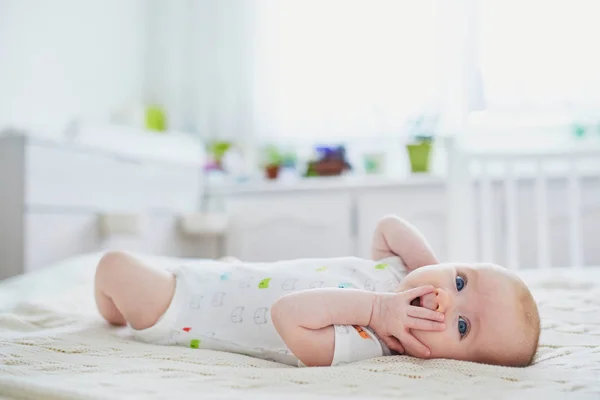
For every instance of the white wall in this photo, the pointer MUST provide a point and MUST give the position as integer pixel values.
(196, 49)
(65, 58)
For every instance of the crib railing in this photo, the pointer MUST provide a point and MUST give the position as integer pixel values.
(472, 177)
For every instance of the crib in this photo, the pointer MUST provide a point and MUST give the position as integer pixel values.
(475, 179)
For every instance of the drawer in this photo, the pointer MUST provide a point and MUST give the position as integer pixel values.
(283, 226)
(67, 177)
(54, 237)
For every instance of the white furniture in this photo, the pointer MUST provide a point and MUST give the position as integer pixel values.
(321, 217)
(548, 221)
(63, 198)
(333, 216)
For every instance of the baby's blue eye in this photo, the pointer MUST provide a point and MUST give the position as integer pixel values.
(460, 283)
(462, 327)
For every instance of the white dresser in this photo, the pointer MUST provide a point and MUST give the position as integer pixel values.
(324, 217)
(58, 199)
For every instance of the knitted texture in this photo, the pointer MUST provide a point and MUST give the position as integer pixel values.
(54, 345)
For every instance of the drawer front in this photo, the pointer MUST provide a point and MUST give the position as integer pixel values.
(286, 226)
(51, 238)
(65, 177)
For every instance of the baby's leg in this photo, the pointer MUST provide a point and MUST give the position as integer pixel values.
(129, 291)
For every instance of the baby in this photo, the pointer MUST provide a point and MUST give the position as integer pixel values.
(320, 312)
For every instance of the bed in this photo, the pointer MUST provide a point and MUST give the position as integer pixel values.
(54, 345)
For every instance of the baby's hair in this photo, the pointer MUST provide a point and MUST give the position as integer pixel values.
(521, 348)
(532, 322)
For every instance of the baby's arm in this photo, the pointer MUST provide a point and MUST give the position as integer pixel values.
(396, 237)
(305, 320)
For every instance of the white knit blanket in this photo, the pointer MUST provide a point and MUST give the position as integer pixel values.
(53, 345)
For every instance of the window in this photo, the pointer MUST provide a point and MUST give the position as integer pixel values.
(344, 68)
(540, 56)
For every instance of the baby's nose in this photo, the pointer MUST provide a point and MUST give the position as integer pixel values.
(442, 299)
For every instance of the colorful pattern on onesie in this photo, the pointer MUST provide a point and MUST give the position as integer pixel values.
(225, 306)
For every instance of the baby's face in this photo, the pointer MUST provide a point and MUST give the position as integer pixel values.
(485, 313)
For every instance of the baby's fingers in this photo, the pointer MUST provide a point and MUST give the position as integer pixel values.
(424, 313)
(423, 324)
(417, 348)
(393, 344)
(418, 292)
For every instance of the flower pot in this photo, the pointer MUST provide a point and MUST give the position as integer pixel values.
(419, 156)
(374, 163)
(156, 119)
(272, 171)
(329, 167)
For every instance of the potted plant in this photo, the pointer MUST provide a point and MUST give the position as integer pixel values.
(272, 161)
(155, 118)
(217, 150)
(419, 150)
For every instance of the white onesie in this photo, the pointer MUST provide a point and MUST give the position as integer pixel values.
(226, 306)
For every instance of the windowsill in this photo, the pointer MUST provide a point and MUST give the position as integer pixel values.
(524, 173)
(347, 182)
(525, 139)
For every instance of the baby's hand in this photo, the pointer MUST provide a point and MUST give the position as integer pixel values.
(393, 316)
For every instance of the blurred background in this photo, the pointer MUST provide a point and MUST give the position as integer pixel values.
(268, 129)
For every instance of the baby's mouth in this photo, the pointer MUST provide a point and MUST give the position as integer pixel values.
(416, 302)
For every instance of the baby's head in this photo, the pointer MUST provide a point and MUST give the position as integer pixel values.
(491, 316)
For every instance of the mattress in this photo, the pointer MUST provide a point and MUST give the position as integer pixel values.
(54, 345)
